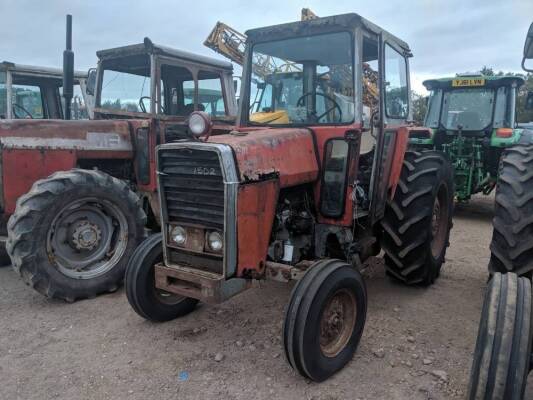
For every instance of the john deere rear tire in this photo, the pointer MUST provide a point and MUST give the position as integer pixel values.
(512, 239)
(325, 319)
(417, 222)
(72, 234)
(503, 347)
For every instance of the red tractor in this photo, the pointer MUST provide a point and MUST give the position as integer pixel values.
(309, 196)
(78, 193)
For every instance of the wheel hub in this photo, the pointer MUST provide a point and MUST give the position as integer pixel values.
(337, 323)
(86, 235)
(439, 222)
(435, 220)
(87, 238)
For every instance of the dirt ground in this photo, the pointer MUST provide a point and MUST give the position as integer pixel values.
(417, 343)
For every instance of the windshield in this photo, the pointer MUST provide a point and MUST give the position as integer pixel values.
(126, 87)
(125, 91)
(470, 109)
(306, 80)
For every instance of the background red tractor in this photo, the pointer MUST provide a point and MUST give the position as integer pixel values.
(78, 194)
(309, 194)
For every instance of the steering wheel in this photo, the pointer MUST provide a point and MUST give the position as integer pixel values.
(141, 104)
(300, 103)
(15, 105)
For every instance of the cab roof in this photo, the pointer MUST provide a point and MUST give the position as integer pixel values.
(148, 48)
(490, 81)
(37, 71)
(321, 25)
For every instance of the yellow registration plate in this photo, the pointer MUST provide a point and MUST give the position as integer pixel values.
(468, 82)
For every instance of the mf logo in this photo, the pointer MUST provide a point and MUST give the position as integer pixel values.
(204, 171)
(105, 140)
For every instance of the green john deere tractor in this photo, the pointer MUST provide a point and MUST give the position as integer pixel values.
(472, 121)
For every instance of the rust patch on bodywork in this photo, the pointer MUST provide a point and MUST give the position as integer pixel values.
(287, 153)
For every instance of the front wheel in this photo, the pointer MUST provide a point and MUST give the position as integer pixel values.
(148, 301)
(325, 319)
(71, 235)
(503, 347)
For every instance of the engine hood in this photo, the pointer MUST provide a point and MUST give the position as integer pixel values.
(287, 153)
(60, 134)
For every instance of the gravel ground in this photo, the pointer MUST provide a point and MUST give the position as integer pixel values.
(417, 343)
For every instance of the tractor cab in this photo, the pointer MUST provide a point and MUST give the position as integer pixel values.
(146, 80)
(30, 92)
(474, 106)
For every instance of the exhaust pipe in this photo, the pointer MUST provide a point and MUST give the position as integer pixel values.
(68, 70)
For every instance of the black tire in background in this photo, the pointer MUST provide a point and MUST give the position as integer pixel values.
(147, 301)
(503, 347)
(512, 240)
(325, 319)
(418, 220)
(72, 234)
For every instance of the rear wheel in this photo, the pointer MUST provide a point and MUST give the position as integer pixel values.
(503, 348)
(148, 301)
(512, 239)
(72, 234)
(417, 222)
(325, 319)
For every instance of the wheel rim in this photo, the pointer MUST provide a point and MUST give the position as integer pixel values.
(439, 222)
(87, 238)
(337, 322)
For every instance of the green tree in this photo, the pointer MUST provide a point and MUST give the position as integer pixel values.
(419, 104)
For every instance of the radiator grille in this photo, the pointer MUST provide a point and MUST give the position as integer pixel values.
(192, 186)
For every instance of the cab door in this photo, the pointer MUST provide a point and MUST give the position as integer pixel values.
(392, 135)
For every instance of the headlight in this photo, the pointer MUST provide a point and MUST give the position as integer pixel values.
(200, 123)
(178, 235)
(215, 241)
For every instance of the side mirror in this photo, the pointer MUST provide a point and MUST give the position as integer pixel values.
(529, 101)
(528, 51)
(91, 81)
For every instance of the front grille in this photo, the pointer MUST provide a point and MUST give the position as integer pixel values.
(192, 187)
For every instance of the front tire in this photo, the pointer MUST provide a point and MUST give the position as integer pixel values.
(147, 301)
(512, 239)
(503, 347)
(325, 319)
(72, 234)
(417, 222)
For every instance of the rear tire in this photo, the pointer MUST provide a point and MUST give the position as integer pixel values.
(325, 319)
(72, 234)
(145, 299)
(512, 239)
(417, 222)
(503, 347)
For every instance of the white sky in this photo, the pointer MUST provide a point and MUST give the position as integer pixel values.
(446, 36)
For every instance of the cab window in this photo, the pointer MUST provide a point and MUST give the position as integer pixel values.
(78, 108)
(333, 190)
(396, 91)
(27, 102)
